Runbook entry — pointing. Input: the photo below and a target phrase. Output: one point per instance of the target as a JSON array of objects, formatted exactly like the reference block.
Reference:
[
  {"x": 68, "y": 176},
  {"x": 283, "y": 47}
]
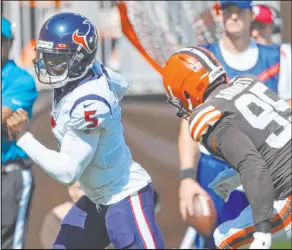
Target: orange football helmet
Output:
[{"x": 187, "y": 75}]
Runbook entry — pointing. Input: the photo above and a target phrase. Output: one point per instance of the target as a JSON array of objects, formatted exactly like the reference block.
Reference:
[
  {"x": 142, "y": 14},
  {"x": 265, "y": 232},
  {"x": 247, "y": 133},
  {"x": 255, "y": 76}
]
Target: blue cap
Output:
[
  {"x": 6, "y": 29},
  {"x": 240, "y": 4}
]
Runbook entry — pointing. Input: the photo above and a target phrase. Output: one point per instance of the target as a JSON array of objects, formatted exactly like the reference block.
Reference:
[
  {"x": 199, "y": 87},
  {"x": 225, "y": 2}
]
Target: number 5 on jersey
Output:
[{"x": 89, "y": 118}]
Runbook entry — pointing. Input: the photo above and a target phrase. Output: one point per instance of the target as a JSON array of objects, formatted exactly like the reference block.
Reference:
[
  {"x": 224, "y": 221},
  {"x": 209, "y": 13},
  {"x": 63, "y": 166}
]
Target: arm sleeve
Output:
[
  {"x": 231, "y": 144},
  {"x": 284, "y": 84},
  {"x": 22, "y": 96},
  {"x": 66, "y": 166}
]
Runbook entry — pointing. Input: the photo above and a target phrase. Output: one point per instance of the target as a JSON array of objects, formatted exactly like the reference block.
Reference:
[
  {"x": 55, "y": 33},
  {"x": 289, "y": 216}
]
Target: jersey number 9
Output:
[{"x": 266, "y": 108}]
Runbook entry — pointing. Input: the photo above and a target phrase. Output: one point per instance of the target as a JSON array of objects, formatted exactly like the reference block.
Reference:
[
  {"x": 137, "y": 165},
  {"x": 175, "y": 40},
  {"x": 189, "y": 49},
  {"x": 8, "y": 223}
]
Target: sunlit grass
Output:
[{"x": 282, "y": 245}]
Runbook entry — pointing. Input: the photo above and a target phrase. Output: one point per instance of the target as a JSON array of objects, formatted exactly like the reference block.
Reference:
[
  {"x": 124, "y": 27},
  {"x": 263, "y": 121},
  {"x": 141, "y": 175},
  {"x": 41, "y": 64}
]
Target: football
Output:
[{"x": 204, "y": 219}]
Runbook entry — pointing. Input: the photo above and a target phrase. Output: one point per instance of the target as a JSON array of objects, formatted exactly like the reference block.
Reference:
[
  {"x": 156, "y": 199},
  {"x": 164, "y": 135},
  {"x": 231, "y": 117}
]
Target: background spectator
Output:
[
  {"x": 263, "y": 25},
  {"x": 262, "y": 30},
  {"x": 18, "y": 91}
]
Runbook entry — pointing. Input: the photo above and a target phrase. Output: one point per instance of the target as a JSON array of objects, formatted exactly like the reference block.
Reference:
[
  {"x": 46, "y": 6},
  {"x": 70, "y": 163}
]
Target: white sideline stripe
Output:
[
  {"x": 141, "y": 222},
  {"x": 19, "y": 228}
]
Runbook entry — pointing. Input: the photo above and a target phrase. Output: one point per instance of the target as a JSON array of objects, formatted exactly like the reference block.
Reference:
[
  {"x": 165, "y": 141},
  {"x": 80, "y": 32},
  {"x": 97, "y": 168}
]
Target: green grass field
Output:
[{"x": 282, "y": 245}]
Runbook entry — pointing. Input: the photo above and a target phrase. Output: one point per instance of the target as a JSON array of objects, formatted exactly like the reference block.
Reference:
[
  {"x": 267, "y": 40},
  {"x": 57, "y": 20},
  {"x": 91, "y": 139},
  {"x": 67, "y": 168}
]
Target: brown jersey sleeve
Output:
[
  {"x": 235, "y": 147},
  {"x": 204, "y": 118}
]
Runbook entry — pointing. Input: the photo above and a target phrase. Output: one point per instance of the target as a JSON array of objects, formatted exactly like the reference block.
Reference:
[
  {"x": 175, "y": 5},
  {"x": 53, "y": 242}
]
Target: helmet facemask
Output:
[
  {"x": 52, "y": 68},
  {"x": 182, "y": 112},
  {"x": 56, "y": 67}
]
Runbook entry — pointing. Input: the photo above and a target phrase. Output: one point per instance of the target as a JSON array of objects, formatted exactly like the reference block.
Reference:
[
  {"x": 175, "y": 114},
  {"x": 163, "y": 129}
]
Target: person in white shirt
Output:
[{"x": 262, "y": 29}]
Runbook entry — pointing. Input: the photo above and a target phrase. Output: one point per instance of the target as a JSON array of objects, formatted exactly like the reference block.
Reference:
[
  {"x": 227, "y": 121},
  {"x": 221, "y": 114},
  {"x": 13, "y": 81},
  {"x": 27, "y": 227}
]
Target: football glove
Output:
[
  {"x": 225, "y": 183},
  {"x": 261, "y": 241}
]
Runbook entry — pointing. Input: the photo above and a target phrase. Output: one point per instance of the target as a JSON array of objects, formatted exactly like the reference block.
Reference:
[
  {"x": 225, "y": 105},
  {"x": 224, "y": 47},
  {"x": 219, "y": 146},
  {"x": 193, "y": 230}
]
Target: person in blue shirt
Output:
[{"x": 18, "y": 91}]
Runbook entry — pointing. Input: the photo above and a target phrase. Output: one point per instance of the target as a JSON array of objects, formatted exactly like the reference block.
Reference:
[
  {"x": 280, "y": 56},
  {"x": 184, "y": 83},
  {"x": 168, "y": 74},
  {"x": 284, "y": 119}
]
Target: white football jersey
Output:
[{"x": 93, "y": 108}]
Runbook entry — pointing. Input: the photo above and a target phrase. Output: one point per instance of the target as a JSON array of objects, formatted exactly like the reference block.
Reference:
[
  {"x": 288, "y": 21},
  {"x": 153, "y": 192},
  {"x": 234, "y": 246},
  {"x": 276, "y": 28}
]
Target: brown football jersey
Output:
[{"x": 249, "y": 126}]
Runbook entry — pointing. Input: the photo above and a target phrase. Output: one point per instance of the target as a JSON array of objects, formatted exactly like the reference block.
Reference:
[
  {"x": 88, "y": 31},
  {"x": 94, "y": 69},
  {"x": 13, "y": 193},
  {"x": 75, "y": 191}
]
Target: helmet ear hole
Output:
[{"x": 187, "y": 95}]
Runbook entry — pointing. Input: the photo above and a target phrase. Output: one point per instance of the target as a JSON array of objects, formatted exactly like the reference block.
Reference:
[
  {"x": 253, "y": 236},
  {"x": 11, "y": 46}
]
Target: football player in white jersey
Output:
[{"x": 86, "y": 121}]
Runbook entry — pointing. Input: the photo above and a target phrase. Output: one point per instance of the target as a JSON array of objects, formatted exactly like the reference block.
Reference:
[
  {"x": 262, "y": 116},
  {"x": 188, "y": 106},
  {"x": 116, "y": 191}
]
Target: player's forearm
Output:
[
  {"x": 60, "y": 166},
  {"x": 254, "y": 173},
  {"x": 188, "y": 149},
  {"x": 258, "y": 185}
]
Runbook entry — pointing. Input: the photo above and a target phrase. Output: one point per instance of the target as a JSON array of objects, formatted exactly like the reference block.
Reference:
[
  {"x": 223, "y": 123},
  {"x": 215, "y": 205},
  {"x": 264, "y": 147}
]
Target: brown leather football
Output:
[{"x": 204, "y": 219}]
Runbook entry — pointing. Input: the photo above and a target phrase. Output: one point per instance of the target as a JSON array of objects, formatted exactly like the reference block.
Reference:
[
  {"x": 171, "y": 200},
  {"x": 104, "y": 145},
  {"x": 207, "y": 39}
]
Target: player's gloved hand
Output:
[
  {"x": 188, "y": 189},
  {"x": 261, "y": 241},
  {"x": 225, "y": 183},
  {"x": 17, "y": 124}
]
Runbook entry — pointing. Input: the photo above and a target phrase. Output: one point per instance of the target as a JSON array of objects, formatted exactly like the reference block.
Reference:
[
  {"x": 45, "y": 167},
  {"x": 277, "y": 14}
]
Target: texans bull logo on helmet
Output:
[{"x": 82, "y": 39}]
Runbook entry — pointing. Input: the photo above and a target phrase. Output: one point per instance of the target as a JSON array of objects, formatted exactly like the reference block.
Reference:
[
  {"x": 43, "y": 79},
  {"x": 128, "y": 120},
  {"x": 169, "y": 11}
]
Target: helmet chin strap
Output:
[{"x": 187, "y": 96}]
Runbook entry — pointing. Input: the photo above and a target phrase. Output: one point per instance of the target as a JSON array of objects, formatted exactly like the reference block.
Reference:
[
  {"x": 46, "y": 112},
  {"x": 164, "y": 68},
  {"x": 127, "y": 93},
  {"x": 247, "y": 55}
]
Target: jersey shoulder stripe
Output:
[{"x": 201, "y": 121}]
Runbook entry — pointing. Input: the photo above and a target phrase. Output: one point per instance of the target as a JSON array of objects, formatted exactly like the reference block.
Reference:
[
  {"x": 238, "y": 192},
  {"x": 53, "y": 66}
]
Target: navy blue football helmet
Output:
[{"x": 66, "y": 49}]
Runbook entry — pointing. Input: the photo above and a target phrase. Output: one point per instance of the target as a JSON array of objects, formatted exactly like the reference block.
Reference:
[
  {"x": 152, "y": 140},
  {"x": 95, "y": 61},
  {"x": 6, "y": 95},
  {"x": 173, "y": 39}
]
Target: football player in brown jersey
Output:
[{"x": 247, "y": 125}]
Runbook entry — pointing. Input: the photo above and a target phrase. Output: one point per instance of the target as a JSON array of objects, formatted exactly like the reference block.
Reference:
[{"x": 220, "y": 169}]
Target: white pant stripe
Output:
[{"x": 141, "y": 221}]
